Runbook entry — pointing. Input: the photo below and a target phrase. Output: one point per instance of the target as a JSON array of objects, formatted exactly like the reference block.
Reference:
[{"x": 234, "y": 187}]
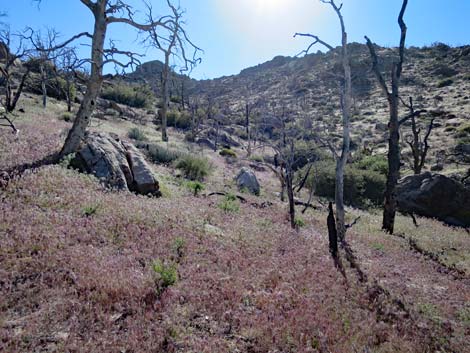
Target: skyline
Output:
[{"x": 238, "y": 35}]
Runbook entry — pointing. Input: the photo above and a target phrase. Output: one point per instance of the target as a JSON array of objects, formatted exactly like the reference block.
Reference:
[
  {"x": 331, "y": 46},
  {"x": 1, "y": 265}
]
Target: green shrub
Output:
[
  {"x": 90, "y": 210},
  {"x": 195, "y": 187},
  {"x": 445, "y": 83},
  {"x": 171, "y": 117},
  {"x": 227, "y": 152},
  {"x": 137, "y": 134},
  {"x": 376, "y": 163},
  {"x": 464, "y": 130},
  {"x": 230, "y": 204},
  {"x": 361, "y": 187},
  {"x": 133, "y": 96},
  {"x": 165, "y": 275},
  {"x": 67, "y": 116},
  {"x": 174, "y": 99},
  {"x": 257, "y": 158},
  {"x": 183, "y": 121},
  {"x": 299, "y": 222},
  {"x": 194, "y": 168},
  {"x": 179, "y": 244},
  {"x": 163, "y": 155}
]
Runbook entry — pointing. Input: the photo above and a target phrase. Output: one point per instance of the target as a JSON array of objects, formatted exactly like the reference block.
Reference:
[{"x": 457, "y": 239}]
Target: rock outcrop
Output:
[
  {"x": 246, "y": 179},
  {"x": 435, "y": 196},
  {"x": 117, "y": 163}
]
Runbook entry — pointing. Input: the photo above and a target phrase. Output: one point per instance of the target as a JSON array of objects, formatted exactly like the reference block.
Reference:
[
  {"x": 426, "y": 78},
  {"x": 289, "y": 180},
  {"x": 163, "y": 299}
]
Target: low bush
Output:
[
  {"x": 67, "y": 116},
  {"x": 464, "y": 130},
  {"x": 180, "y": 120},
  {"x": 195, "y": 187},
  {"x": 361, "y": 187},
  {"x": 179, "y": 245},
  {"x": 299, "y": 222},
  {"x": 445, "y": 83},
  {"x": 165, "y": 275},
  {"x": 193, "y": 167},
  {"x": 227, "y": 152},
  {"x": 163, "y": 155},
  {"x": 133, "y": 96},
  {"x": 137, "y": 134},
  {"x": 230, "y": 204},
  {"x": 257, "y": 158},
  {"x": 376, "y": 163}
]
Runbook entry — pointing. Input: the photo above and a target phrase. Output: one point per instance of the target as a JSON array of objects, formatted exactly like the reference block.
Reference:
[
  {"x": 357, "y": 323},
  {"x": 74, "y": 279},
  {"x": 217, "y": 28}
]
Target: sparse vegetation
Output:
[{"x": 87, "y": 266}]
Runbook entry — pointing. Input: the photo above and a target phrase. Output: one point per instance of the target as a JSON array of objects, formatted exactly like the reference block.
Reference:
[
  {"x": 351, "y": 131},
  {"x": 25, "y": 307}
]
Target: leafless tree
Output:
[
  {"x": 105, "y": 13},
  {"x": 393, "y": 98},
  {"x": 346, "y": 103},
  {"x": 419, "y": 146},
  {"x": 250, "y": 110},
  {"x": 46, "y": 54},
  {"x": 10, "y": 60},
  {"x": 69, "y": 64},
  {"x": 172, "y": 43}
]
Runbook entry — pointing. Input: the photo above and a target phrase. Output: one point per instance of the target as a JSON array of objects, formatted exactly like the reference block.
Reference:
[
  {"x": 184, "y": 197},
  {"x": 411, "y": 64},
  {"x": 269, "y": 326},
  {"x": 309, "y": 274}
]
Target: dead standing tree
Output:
[
  {"x": 419, "y": 146},
  {"x": 346, "y": 103},
  {"x": 69, "y": 63},
  {"x": 172, "y": 43},
  {"x": 105, "y": 13},
  {"x": 7, "y": 75},
  {"x": 46, "y": 54},
  {"x": 393, "y": 98}
]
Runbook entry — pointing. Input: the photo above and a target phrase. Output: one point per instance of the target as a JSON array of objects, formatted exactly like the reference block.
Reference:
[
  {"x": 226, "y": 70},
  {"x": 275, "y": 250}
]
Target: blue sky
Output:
[{"x": 236, "y": 34}]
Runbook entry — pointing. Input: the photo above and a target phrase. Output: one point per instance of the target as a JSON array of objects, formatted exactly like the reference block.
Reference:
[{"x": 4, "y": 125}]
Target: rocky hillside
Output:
[{"x": 436, "y": 77}]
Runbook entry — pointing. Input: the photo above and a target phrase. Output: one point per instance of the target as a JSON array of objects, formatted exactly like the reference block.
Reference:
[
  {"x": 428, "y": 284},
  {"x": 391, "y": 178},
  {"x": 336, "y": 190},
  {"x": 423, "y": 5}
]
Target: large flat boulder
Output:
[
  {"x": 435, "y": 196},
  {"x": 116, "y": 163}
]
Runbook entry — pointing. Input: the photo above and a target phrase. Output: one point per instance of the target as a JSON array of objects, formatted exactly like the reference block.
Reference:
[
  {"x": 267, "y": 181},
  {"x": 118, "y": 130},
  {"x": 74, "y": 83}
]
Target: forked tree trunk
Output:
[
  {"x": 82, "y": 120},
  {"x": 390, "y": 203}
]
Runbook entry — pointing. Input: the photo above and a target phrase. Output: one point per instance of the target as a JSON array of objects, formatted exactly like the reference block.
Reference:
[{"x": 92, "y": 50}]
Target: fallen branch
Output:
[{"x": 219, "y": 193}]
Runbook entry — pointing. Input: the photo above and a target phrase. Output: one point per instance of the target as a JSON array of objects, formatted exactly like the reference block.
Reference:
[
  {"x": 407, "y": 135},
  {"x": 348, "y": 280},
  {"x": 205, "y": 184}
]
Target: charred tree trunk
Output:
[
  {"x": 390, "y": 203},
  {"x": 43, "y": 74},
  {"x": 346, "y": 103},
  {"x": 248, "y": 130},
  {"x": 332, "y": 233},
  {"x": 165, "y": 97},
  {"x": 82, "y": 120}
]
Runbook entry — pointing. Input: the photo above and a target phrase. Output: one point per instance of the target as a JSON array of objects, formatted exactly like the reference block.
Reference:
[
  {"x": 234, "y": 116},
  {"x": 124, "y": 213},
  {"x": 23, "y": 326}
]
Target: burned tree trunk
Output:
[
  {"x": 332, "y": 233},
  {"x": 390, "y": 203},
  {"x": 165, "y": 96}
]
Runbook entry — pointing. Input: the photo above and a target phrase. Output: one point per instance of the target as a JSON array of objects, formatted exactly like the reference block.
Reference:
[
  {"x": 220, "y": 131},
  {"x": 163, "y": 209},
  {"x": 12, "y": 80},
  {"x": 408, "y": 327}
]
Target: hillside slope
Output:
[
  {"x": 81, "y": 266},
  {"x": 437, "y": 78}
]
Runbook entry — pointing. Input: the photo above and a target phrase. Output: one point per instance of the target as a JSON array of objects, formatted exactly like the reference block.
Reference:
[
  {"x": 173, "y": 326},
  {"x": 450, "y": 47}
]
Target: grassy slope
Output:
[{"x": 75, "y": 268}]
